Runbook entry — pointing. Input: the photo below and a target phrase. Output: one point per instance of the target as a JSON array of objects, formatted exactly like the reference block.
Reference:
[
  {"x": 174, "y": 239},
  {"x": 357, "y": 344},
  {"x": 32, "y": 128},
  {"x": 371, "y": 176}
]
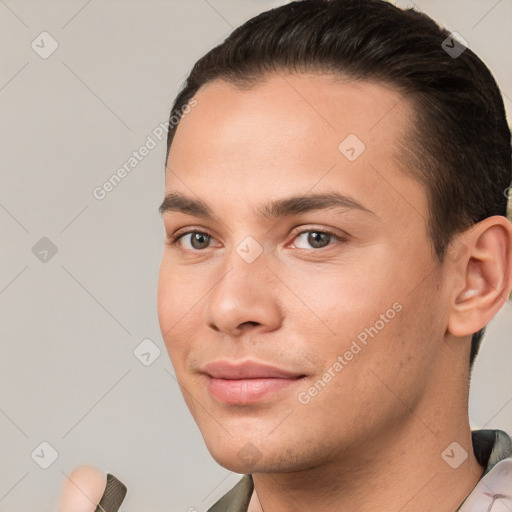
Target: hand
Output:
[{"x": 87, "y": 486}]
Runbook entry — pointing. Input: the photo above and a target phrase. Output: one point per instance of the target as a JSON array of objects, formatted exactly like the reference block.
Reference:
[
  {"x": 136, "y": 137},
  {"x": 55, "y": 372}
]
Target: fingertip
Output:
[{"x": 82, "y": 489}]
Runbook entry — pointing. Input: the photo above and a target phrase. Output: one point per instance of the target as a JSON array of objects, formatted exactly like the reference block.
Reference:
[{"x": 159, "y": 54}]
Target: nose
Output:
[{"x": 245, "y": 298}]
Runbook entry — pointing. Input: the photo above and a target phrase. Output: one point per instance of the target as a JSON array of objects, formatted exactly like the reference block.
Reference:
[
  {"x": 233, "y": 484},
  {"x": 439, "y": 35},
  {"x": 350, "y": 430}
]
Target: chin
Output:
[
  {"x": 243, "y": 456},
  {"x": 237, "y": 455}
]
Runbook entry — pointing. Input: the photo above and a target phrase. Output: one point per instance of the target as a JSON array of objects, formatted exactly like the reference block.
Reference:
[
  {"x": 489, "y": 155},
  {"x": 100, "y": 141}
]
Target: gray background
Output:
[{"x": 69, "y": 326}]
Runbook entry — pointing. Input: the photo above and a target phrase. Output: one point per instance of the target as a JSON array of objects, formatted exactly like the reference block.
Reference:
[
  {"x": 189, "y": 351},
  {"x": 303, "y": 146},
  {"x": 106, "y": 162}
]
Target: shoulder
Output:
[{"x": 237, "y": 499}]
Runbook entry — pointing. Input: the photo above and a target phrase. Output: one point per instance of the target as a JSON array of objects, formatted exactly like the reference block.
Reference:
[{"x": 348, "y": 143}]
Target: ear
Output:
[{"x": 482, "y": 260}]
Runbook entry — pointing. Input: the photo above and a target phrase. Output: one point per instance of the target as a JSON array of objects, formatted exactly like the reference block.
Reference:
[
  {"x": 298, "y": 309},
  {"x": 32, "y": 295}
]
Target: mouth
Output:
[{"x": 247, "y": 382}]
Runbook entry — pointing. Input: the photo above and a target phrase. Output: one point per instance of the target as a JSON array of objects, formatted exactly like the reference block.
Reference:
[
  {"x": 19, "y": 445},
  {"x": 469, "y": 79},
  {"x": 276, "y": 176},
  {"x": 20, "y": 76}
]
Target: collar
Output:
[{"x": 493, "y": 491}]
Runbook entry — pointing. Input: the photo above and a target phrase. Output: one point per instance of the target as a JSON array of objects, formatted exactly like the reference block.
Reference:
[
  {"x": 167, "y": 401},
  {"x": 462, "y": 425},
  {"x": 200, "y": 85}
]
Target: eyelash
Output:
[{"x": 174, "y": 240}]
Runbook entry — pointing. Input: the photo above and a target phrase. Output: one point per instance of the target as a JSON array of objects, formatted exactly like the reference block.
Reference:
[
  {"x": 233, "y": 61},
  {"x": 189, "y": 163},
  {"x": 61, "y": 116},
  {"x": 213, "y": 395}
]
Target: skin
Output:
[
  {"x": 82, "y": 489},
  {"x": 372, "y": 439}
]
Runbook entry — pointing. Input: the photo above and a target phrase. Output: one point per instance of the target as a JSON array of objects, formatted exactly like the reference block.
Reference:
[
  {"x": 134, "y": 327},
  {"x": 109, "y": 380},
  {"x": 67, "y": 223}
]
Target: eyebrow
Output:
[{"x": 295, "y": 205}]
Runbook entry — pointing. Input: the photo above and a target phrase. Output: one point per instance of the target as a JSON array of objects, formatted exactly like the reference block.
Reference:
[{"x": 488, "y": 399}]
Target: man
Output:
[{"x": 336, "y": 242}]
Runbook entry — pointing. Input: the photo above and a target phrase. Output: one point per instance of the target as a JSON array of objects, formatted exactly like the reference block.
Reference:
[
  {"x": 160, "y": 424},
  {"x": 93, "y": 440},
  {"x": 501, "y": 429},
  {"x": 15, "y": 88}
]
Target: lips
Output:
[
  {"x": 247, "y": 370},
  {"x": 247, "y": 382}
]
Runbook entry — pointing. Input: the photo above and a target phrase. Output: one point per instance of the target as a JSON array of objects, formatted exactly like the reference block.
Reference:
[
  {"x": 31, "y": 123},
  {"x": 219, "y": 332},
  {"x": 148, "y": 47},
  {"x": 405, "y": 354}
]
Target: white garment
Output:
[{"x": 493, "y": 492}]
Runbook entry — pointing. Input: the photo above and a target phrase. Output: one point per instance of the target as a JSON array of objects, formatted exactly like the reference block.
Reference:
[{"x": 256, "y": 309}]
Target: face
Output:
[{"x": 297, "y": 283}]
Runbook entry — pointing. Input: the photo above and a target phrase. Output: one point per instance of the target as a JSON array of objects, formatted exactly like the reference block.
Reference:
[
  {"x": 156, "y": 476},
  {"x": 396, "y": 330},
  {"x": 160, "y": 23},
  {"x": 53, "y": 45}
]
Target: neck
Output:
[{"x": 403, "y": 469}]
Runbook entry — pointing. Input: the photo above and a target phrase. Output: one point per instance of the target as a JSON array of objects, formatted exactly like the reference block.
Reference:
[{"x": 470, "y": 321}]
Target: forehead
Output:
[
  {"x": 308, "y": 105},
  {"x": 290, "y": 133}
]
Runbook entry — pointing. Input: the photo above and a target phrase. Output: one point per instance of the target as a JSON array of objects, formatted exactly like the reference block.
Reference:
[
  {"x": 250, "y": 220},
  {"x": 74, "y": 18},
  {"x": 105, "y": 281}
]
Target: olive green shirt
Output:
[{"x": 493, "y": 491}]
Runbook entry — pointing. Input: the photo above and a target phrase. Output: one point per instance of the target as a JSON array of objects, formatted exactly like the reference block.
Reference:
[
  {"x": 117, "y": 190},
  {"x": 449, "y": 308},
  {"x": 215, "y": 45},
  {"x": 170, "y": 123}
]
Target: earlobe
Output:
[{"x": 487, "y": 276}]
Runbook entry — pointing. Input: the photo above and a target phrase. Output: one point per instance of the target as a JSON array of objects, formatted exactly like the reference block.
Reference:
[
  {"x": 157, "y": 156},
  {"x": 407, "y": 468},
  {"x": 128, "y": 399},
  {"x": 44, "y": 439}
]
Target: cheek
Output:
[
  {"x": 342, "y": 298},
  {"x": 165, "y": 299},
  {"x": 401, "y": 357},
  {"x": 179, "y": 291},
  {"x": 175, "y": 305},
  {"x": 364, "y": 311}
]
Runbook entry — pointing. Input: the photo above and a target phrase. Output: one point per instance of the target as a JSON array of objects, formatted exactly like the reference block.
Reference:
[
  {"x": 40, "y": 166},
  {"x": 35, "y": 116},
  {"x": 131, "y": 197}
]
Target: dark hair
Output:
[{"x": 459, "y": 145}]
